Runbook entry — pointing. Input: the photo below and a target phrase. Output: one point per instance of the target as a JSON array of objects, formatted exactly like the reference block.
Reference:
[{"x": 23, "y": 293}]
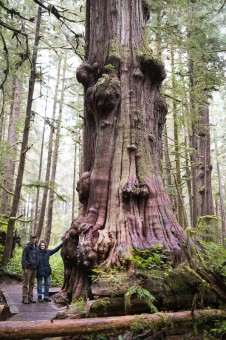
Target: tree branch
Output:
[
  {"x": 13, "y": 12},
  {"x": 8, "y": 192},
  {"x": 53, "y": 10},
  {"x": 6, "y": 71}
]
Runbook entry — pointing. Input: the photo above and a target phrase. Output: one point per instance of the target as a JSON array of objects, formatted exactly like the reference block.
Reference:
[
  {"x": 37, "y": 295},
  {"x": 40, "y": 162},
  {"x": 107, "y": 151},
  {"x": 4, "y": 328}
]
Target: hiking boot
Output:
[
  {"x": 32, "y": 300},
  {"x": 26, "y": 301},
  {"x": 40, "y": 299},
  {"x": 47, "y": 300}
]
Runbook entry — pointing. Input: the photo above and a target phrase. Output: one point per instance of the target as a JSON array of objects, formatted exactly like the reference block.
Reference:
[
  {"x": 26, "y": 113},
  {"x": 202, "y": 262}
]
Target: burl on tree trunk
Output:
[{"x": 125, "y": 205}]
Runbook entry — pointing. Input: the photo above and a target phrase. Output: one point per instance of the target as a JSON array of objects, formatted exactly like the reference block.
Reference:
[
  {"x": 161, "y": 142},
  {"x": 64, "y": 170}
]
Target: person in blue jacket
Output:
[
  {"x": 44, "y": 269},
  {"x": 29, "y": 265}
]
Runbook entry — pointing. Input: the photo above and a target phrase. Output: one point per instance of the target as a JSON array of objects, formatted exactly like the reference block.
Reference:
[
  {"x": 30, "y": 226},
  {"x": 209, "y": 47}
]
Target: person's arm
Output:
[
  {"x": 55, "y": 250},
  {"x": 24, "y": 259}
]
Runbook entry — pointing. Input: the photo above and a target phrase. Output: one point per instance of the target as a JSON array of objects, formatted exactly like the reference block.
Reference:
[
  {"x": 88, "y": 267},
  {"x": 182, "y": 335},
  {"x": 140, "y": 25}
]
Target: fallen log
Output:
[
  {"x": 115, "y": 306},
  {"x": 34, "y": 329}
]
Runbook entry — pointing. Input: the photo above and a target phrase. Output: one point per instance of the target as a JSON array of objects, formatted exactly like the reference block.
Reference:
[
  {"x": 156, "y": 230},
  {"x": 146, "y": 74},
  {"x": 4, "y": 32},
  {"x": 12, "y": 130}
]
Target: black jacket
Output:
[
  {"x": 30, "y": 256},
  {"x": 44, "y": 268}
]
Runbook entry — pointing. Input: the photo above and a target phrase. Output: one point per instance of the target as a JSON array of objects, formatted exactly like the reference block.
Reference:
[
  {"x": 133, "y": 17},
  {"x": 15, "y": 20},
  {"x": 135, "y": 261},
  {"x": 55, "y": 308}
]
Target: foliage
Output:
[
  {"x": 219, "y": 330},
  {"x": 1, "y": 251},
  {"x": 141, "y": 293},
  {"x": 14, "y": 266},
  {"x": 109, "y": 67},
  {"x": 57, "y": 266},
  {"x": 78, "y": 304},
  {"x": 214, "y": 257},
  {"x": 156, "y": 258},
  {"x": 208, "y": 229},
  {"x": 113, "y": 275}
]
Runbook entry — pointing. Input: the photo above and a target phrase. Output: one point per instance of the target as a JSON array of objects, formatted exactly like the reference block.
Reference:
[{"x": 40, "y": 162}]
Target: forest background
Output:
[{"x": 42, "y": 47}]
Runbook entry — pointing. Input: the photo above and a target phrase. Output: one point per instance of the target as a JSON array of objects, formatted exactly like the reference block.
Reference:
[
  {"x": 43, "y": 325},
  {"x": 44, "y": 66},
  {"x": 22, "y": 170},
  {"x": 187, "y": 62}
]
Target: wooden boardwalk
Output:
[{"x": 23, "y": 312}]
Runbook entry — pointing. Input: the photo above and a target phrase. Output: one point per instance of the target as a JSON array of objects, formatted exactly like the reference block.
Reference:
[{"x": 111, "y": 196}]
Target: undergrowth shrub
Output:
[
  {"x": 14, "y": 267},
  {"x": 156, "y": 258},
  {"x": 57, "y": 266},
  {"x": 214, "y": 257}
]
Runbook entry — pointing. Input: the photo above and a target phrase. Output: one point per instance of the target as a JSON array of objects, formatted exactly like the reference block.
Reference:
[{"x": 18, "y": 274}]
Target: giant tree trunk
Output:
[{"x": 124, "y": 201}]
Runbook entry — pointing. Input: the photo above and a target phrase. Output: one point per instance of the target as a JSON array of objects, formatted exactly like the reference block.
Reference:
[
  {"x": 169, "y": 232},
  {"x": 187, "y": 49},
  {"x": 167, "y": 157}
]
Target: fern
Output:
[{"x": 141, "y": 293}]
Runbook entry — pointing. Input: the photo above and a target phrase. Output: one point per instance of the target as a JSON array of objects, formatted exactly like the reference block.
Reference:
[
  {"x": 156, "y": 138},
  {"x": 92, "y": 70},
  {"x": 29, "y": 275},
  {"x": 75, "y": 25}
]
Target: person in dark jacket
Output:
[
  {"x": 44, "y": 269},
  {"x": 29, "y": 265}
]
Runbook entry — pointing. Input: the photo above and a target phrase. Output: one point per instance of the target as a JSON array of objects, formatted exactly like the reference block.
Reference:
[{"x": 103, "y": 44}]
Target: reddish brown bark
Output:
[{"x": 121, "y": 188}]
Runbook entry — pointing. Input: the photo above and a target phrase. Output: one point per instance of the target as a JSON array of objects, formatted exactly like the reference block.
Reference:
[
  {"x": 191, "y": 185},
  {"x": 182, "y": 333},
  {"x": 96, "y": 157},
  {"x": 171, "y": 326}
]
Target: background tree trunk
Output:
[
  {"x": 11, "y": 154},
  {"x": 49, "y": 157},
  {"x": 168, "y": 171},
  {"x": 55, "y": 160},
  {"x": 221, "y": 194},
  {"x": 121, "y": 188},
  {"x": 40, "y": 164},
  {"x": 204, "y": 165},
  {"x": 24, "y": 146},
  {"x": 178, "y": 180},
  {"x": 74, "y": 181}
]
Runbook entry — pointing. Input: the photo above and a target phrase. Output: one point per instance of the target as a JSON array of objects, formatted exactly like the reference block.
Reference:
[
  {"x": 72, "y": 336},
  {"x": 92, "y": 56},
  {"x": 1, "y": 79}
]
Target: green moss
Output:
[
  {"x": 144, "y": 53},
  {"x": 107, "y": 93},
  {"x": 102, "y": 304},
  {"x": 140, "y": 323},
  {"x": 102, "y": 84},
  {"x": 115, "y": 52},
  {"x": 109, "y": 68},
  {"x": 181, "y": 280},
  {"x": 166, "y": 319}
]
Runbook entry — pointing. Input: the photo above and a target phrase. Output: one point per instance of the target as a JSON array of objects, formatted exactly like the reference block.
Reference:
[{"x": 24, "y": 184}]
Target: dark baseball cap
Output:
[{"x": 33, "y": 236}]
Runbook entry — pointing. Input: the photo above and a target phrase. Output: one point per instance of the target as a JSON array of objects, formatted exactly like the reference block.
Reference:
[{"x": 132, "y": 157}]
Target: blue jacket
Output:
[
  {"x": 30, "y": 256},
  {"x": 44, "y": 268}
]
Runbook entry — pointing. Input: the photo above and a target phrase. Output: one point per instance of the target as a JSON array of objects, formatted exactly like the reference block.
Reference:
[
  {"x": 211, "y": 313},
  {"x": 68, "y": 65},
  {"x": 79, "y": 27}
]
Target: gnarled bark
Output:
[{"x": 125, "y": 205}]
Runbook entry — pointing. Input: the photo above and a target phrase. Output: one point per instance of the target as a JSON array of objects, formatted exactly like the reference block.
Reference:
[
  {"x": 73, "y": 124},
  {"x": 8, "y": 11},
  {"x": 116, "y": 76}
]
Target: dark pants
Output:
[{"x": 28, "y": 283}]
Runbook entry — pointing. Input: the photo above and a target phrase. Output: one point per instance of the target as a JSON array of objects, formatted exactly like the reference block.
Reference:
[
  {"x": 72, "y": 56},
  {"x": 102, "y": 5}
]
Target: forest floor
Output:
[{"x": 11, "y": 291}]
